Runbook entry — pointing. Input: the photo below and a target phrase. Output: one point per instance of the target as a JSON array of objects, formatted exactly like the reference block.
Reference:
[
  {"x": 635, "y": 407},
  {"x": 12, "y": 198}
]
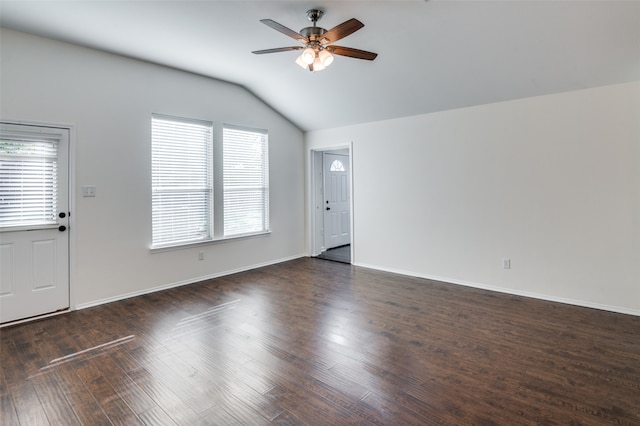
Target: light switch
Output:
[{"x": 89, "y": 191}]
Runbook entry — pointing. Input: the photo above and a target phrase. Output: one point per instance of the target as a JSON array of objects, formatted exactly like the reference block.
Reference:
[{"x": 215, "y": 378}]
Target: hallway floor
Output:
[{"x": 337, "y": 254}]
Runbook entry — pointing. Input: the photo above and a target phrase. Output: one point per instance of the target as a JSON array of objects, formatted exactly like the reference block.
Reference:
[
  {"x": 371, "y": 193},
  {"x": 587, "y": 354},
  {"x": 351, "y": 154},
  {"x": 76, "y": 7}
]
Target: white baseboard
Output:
[
  {"x": 549, "y": 298},
  {"x": 185, "y": 282}
]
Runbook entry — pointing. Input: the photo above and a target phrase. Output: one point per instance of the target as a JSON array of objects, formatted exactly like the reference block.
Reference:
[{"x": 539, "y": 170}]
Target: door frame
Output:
[
  {"x": 72, "y": 209},
  {"x": 316, "y": 207}
]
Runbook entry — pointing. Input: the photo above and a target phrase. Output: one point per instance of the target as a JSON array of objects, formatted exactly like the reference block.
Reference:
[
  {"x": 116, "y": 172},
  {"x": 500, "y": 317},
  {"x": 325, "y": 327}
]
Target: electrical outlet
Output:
[
  {"x": 506, "y": 263},
  {"x": 201, "y": 255}
]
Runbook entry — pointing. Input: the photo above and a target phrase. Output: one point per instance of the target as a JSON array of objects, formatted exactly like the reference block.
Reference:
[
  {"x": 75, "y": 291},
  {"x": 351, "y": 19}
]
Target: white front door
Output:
[
  {"x": 34, "y": 217},
  {"x": 336, "y": 196}
]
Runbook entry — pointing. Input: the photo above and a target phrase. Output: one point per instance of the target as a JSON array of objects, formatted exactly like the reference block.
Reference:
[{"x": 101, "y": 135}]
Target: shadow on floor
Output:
[{"x": 337, "y": 254}]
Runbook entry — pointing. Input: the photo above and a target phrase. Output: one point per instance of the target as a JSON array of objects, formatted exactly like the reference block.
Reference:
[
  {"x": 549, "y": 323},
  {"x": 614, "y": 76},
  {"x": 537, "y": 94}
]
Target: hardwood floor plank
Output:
[
  {"x": 294, "y": 385},
  {"x": 220, "y": 416},
  {"x": 231, "y": 366},
  {"x": 310, "y": 407},
  {"x": 172, "y": 403},
  {"x": 156, "y": 417},
  {"x": 287, "y": 419},
  {"x": 126, "y": 388},
  {"x": 83, "y": 403},
  {"x": 110, "y": 402},
  {"x": 245, "y": 396},
  {"x": 27, "y": 405},
  {"x": 87, "y": 409},
  {"x": 8, "y": 415},
  {"x": 4, "y": 363},
  {"x": 193, "y": 389},
  {"x": 390, "y": 412},
  {"x": 316, "y": 342},
  {"x": 224, "y": 388},
  {"x": 53, "y": 401}
]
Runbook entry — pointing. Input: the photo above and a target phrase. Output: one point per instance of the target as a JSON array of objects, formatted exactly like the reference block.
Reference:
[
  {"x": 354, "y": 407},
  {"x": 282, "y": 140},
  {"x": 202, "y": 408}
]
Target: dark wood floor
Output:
[{"x": 317, "y": 342}]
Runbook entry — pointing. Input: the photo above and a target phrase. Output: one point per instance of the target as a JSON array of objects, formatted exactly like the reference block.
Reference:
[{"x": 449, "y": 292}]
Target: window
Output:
[
  {"x": 336, "y": 166},
  {"x": 182, "y": 190},
  {"x": 246, "y": 181},
  {"x": 190, "y": 186},
  {"x": 28, "y": 180}
]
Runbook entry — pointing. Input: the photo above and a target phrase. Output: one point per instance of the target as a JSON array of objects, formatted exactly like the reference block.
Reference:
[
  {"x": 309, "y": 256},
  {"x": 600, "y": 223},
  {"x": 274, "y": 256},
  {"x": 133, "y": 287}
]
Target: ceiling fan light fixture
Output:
[
  {"x": 308, "y": 55},
  {"x": 317, "y": 50},
  {"x": 325, "y": 57}
]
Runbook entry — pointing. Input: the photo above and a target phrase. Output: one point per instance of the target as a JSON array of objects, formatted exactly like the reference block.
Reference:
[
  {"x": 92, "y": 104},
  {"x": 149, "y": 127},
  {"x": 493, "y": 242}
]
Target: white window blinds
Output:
[
  {"x": 246, "y": 181},
  {"x": 28, "y": 180},
  {"x": 181, "y": 181}
]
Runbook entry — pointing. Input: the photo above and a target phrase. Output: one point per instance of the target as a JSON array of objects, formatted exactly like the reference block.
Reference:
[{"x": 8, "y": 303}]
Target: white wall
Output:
[
  {"x": 551, "y": 182},
  {"x": 110, "y": 100}
]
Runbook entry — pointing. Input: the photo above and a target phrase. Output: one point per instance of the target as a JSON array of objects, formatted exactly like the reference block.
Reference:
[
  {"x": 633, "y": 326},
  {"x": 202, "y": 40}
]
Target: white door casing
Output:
[
  {"x": 34, "y": 251},
  {"x": 337, "y": 221}
]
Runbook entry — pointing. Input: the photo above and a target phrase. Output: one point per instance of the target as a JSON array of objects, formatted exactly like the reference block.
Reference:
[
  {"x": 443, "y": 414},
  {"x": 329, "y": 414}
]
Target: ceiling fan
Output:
[{"x": 317, "y": 52}]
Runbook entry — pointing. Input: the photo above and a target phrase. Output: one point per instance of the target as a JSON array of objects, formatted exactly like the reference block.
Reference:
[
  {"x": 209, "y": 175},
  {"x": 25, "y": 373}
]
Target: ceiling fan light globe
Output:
[
  {"x": 325, "y": 57},
  {"x": 308, "y": 56},
  {"x": 300, "y": 62},
  {"x": 318, "y": 65}
]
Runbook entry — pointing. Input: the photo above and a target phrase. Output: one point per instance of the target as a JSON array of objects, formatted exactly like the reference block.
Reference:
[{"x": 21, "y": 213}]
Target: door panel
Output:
[
  {"x": 345, "y": 223},
  {"x": 337, "y": 206},
  {"x": 43, "y": 264},
  {"x": 7, "y": 274},
  {"x": 34, "y": 239},
  {"x": 36, "y": 281}
]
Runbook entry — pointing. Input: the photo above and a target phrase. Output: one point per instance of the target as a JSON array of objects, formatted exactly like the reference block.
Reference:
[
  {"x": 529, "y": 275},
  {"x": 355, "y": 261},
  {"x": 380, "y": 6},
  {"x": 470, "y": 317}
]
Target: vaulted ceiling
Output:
[{"x": 433, "y": 55}]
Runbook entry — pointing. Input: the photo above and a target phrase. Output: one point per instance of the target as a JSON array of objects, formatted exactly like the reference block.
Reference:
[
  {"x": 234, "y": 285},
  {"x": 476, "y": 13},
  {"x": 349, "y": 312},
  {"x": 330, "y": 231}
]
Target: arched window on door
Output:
[{"x": 336, "y": 166}]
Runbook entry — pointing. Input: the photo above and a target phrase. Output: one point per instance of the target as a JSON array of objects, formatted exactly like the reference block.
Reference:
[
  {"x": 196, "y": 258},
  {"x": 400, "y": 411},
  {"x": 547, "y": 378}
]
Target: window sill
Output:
[{"x": 161, "y": 249}]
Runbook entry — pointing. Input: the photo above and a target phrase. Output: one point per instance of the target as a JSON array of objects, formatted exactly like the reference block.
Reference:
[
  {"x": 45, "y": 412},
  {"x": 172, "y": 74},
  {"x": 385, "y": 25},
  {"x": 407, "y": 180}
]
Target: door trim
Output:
[
  {"x": 316, "y": 213},
  {"x": 72, "y": 209}
]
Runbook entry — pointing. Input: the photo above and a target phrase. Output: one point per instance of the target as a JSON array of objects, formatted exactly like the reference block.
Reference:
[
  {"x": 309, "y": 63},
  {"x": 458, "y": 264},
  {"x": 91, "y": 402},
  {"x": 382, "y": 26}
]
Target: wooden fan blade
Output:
[
  {"x": 342, "y": 30},
  {"x": 277, "y": 49},
  {"x": 352, "y": 53},
  {"x": 284, "y": 30}
]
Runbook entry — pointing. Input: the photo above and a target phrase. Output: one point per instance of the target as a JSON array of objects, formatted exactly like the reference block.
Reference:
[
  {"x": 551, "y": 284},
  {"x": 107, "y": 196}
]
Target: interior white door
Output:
[
  {"x": 34, "y": 217},
  {"x": 336, "y": 195}
]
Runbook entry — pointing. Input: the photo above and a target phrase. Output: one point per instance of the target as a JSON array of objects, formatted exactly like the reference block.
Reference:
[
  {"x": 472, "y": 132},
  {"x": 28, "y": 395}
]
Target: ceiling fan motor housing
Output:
[{"x": 313, "y": 33}]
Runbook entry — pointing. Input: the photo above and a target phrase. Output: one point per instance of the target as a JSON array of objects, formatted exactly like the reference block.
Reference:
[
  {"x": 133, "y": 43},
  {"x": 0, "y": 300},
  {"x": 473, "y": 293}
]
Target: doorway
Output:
[
  {"x": 332, "y": 218},
  {"x": 34, "y": 220}
]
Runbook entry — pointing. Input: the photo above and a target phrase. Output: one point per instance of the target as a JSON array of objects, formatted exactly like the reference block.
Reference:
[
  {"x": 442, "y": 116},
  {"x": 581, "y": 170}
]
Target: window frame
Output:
[
  {"x": 30, "y": 178},
  {"x": 186, "y": 185},
  {"x": 216, "y": 216},
  {"x": 263, "y": 187}
]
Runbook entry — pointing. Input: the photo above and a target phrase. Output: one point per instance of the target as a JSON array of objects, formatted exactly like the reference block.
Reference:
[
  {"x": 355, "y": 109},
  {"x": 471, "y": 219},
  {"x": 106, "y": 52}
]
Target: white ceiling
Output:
[{"x": 433, "y": 56}]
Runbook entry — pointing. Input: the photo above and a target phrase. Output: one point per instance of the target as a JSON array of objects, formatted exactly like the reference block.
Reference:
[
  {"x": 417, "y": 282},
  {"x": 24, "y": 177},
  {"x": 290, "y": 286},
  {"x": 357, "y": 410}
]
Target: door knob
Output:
[
  {"x": 328, "y": 208},
  {"x": 62, "y": 228},
  {"x": 62, "y": 215}
]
